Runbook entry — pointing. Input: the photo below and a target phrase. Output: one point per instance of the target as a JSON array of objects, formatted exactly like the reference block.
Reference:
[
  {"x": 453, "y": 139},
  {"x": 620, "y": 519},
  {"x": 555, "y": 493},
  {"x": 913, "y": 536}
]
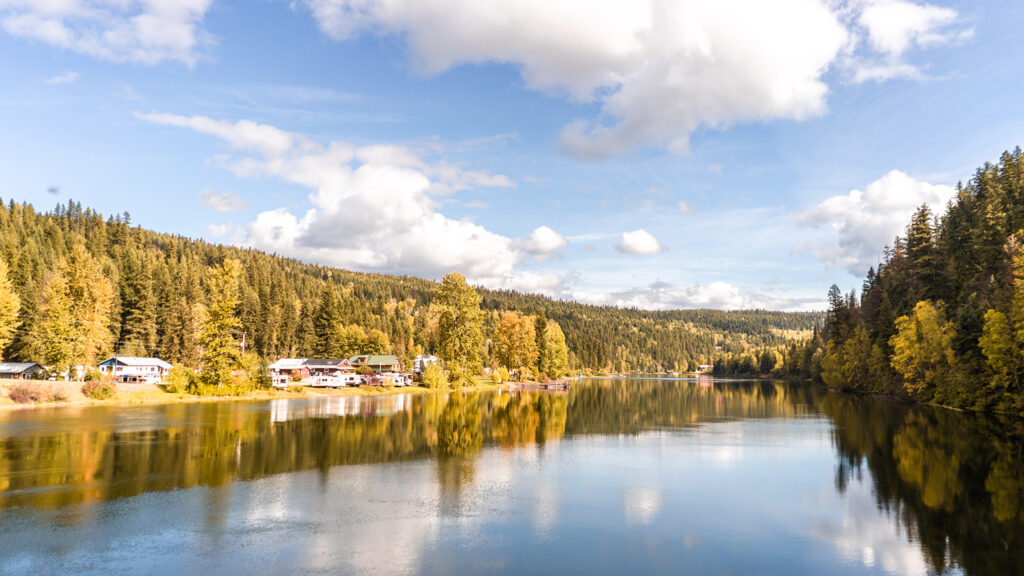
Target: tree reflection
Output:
[{"x": 954, "y": 481}]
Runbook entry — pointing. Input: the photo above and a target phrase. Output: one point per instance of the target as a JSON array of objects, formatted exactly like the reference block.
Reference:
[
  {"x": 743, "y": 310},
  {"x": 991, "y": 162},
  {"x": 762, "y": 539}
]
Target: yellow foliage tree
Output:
[{"x": 923, "y": 348}]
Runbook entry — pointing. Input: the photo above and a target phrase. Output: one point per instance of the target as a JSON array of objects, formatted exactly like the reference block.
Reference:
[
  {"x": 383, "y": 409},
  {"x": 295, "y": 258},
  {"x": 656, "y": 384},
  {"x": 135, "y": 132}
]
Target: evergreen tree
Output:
[{"x": 217, "y": 337}]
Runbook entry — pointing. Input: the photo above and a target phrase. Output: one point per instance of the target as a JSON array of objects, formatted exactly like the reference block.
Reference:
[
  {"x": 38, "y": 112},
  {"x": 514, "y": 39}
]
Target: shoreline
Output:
[{"x": 157, "y": 396}]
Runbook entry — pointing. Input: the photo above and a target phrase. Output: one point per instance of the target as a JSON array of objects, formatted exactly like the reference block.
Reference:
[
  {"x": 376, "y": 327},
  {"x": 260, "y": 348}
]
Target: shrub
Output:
[
  {"x": 94, "y": 376},
  {"x": 24, "y": 393},
  {"x": 434, "y": 377},
  {"x": 182, "y": 379},
  {"x": 99, "y": 390},
  {"x": 57, "y": 396},
  {"x": 295, "y": 388}
]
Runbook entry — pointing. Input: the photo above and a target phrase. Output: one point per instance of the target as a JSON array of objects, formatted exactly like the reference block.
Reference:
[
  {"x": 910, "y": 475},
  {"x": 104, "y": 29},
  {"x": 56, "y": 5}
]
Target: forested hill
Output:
[
  {"x": 942, "y": 318},
  {"x": 159, "y": 280}
]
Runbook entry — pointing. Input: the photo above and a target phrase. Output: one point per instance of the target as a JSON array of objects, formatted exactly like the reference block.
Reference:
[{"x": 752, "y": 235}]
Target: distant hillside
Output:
[{"x": 160, "y": 279}]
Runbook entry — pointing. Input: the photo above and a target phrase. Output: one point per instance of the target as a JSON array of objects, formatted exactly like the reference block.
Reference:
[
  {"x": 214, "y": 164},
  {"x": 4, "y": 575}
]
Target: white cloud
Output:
[
  {"x": 219, "y": 230},
  {"x": 865, "y": 222},
  {"x": 659, "y": 69},
  {"x": 639, "y": 243},
  {"x": 685, "y": 208},
  {"x": 370, "y": 205},
  {"x": 893, "y": 27},
  {"x": 65, "y": 78},
  {"x": 226, "y": 202},
  {"x": 144, "y": 31},
  {"x": 716, "y": 295},
  {"x": 544, "y": 241}
]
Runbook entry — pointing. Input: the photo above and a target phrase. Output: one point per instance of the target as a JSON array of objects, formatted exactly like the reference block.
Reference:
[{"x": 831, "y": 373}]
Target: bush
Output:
[
  {"x": 182, "y": 379},
  {"x": 57, "y": 396},
  {"x": 434, "y": 377},
  {"x": 25, "y": 393},
  {"x": 99, "y": 390},
  {"x": 94, "y": 376},
  {"x": 295, "y": 389}
]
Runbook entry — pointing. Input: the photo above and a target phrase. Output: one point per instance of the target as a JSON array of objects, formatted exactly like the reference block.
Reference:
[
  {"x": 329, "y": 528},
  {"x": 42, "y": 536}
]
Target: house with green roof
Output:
[{"x": 377, "y": 362}]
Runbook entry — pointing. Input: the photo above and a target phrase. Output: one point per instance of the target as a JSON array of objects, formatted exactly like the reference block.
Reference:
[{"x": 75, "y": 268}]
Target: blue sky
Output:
[{"x": 698, "y": 153}]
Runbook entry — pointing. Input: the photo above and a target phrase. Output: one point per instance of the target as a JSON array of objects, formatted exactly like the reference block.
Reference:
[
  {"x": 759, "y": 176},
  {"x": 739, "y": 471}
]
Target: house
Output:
[
  {"x": 135, "y": 369},
  {"x": 288, "y": 369},
  {"x": 420, "y": 363},
  {"x": 21, "y": 370},
  {"x": 705, "y": 367},
  {"x": 377, "y": 362},
  {"x": 328, "y": 366}
]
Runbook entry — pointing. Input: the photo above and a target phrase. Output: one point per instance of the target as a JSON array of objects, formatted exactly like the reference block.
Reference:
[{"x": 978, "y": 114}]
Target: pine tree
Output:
[{"x": 217, "y": 337}]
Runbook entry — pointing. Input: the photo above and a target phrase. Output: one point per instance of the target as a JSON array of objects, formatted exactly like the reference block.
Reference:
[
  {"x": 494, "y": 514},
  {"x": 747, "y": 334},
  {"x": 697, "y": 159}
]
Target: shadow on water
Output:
[{"x": 953, "y": 481}]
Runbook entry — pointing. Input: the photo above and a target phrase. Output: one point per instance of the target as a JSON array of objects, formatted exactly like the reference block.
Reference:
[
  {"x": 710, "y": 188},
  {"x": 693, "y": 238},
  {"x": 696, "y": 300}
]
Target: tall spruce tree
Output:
[
  {"x": 218, "y": 335},
  {"x": 10, "y": 304}
]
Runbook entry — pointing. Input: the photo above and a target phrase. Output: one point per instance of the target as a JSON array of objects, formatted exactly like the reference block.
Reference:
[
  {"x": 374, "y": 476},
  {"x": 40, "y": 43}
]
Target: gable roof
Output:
[
  {"x": 17, "y": 367},
  {"x": 288, "y": 364},
  {"x": 326, "y": 362},
  {"x": 374, "y": 360},
  {"x": 136, "y": 361}
]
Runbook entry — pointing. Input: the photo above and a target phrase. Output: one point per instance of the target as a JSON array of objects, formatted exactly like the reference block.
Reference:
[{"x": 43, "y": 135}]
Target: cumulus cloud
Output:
[
  {"x": 867, "y": 221},
  {"x": 544, "y": 241},
  {"x": 716, "y": 295},
  {"x": 370, "y": 206},
  {"x": 65, "y": 78},
  {"x": 893, "y": 27},
  {"x": 660, "y": 69},
  {"x": 144, "y": 31},
  {"x": 226, "y": 202},
  {"x": 638, "y": 243}
]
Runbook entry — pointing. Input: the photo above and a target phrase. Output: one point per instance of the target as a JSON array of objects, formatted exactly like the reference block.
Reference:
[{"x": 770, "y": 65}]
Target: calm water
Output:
[{"x": 615, "y": 477}]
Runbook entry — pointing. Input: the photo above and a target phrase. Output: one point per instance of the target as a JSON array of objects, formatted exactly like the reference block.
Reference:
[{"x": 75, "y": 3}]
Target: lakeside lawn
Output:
[{"x": 136, "y": 394}]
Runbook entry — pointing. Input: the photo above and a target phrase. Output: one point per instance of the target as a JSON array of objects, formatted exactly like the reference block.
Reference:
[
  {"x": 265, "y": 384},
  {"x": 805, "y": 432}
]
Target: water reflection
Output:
[
  {"x": 672, "y": 471},
  {"x": 953, "y": 482}
]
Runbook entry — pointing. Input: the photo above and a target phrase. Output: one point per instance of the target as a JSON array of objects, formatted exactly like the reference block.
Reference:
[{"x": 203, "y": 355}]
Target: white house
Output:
[
  {"x": 133, "y": 368},
  {"x": 422, "y": 361}
]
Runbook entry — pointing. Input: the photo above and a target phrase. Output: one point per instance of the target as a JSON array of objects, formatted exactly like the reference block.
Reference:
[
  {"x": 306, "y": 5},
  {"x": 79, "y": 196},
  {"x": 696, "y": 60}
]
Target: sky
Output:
[{"x": 649, "y": 153}]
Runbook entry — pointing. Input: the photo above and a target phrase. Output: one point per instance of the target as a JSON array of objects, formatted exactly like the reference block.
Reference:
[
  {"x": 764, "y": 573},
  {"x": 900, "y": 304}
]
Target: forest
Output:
[
  {"x": 74, "y": 275},
  {"x": 941, "y": 319}
]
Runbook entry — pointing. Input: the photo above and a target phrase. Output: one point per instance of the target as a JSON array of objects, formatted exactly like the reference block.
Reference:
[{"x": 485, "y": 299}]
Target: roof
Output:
[
  {"x": 374, "y": 359},
  {"x": 325, "y": 362},
  {"x": 17, "y": 367},
  {"x": 288, "y": 364},
  {"x": 136, "y": 361}
]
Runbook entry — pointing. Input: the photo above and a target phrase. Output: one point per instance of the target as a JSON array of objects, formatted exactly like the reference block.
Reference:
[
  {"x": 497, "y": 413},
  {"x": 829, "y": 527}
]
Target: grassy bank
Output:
[{"x": 71, "y": 392}]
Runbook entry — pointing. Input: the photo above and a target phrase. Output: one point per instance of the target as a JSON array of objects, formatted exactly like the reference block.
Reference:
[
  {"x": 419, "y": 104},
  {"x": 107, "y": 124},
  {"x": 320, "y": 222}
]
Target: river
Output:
[{"x": 615, "y": 477}]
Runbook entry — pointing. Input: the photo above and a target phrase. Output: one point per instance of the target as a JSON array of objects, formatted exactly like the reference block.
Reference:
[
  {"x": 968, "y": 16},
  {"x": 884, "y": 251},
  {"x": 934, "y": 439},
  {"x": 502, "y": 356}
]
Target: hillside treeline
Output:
[
  {"x": 155, "y": 289},
  {"x": 942, "y": 317}
]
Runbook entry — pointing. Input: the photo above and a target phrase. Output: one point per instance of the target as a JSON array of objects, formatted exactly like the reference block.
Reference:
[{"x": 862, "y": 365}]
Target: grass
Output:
[{"x": 161, "y": 396}]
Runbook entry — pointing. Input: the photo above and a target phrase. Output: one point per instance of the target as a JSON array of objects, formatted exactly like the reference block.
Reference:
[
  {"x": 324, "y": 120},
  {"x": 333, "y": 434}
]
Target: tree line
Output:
[
  {"x": 76, "y": 286},
  {"x": 941, "y": 318}
]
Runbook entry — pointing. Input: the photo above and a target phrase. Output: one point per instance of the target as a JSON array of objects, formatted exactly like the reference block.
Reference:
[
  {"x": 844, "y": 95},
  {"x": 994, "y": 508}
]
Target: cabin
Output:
[
  {"x": 21, "y": 370},
  {"x": 135, "y": 369},
  {"x": 328, "y": 366},
  {"x": 379, "y": 363},
  {"x": 286, "y": 370},
  {"x": 705, "y": 368}
]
